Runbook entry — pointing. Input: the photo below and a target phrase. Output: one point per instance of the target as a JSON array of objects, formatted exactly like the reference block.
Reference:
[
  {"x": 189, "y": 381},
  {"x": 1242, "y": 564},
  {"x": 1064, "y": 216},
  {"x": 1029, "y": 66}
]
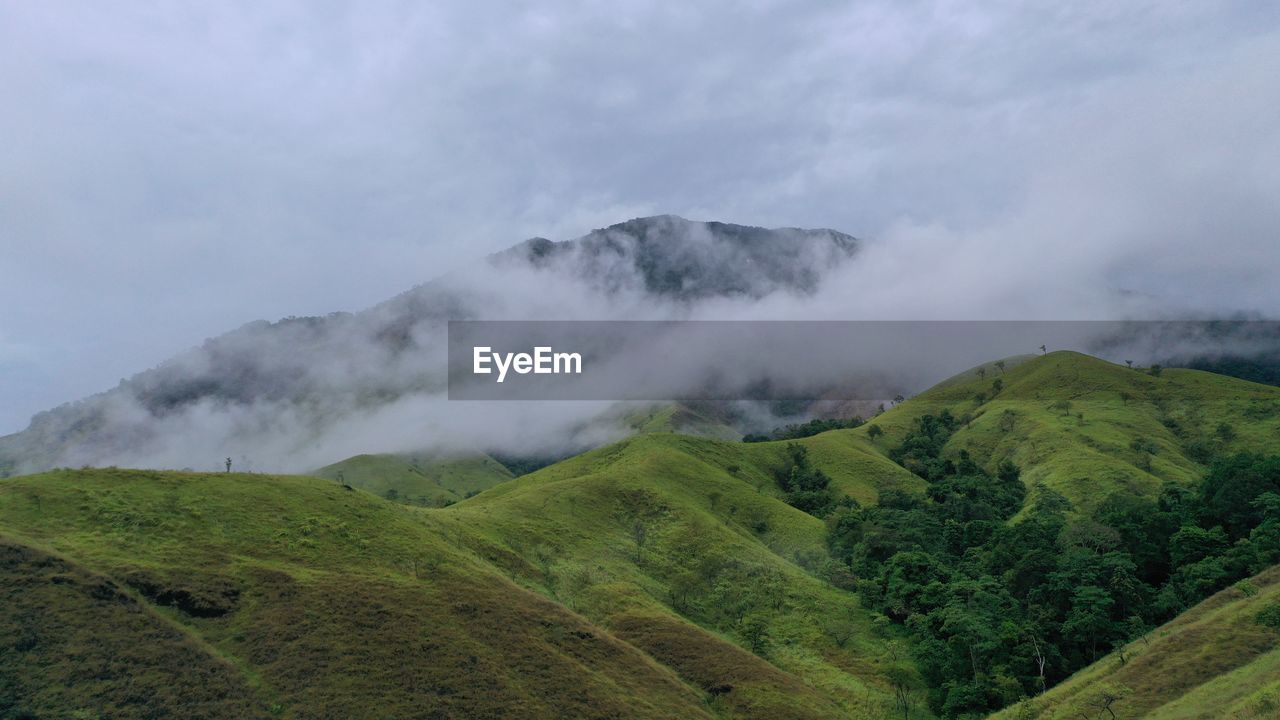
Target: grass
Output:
[
  {"x": 1213, "y": 661},
  {"x": 531, "y": 599},
  {"x": 679, "y": 418},
  {"x": 688, "y": 536},
  {"x": 1087, "y": 428},
  {"x": 343, "y": 605},
  {"x": 419, "y": 479},
  {"x": 662, "y": 576},
  {"x": 78, "y": 644}
]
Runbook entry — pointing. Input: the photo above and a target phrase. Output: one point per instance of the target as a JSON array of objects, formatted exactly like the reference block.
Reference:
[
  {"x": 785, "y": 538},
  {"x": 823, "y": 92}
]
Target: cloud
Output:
[{"x": 171, "y": 174}]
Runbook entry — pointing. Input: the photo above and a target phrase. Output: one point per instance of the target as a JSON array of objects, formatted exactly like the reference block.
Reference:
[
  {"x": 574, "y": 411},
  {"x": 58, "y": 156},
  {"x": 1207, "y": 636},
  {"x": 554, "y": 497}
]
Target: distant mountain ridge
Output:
[
  {"x": 279, "y": 390},
  {"x": 723, "y": 259}
]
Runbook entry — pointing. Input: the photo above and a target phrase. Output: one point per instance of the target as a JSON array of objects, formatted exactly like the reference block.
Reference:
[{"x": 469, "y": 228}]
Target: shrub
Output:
[
  {"x": 1226, "y": 432},
  {"x": 1246, "y": 588},
  {"x": 1269, "y": 616}
]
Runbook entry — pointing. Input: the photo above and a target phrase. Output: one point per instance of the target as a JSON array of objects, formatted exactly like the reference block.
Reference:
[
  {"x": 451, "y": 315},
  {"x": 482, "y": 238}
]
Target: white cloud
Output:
[{"x": 172, "y": 173}]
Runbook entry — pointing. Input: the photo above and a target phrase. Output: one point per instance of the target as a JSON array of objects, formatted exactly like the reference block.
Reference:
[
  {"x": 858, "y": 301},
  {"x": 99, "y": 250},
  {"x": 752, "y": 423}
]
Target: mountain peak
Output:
[{"x": 668, "y": 255}]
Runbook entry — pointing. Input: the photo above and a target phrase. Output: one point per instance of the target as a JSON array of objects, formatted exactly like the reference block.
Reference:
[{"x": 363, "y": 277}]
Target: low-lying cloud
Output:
[{"x": 1098, "y": 161}]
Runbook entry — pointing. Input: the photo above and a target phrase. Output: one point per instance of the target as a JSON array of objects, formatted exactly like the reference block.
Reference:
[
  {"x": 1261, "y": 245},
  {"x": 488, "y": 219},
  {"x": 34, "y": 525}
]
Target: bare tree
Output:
[
  {"x": 1040, "y": 661},
  {"x": 901, "y": 681},
  {"x": 1105, "y": 700}
]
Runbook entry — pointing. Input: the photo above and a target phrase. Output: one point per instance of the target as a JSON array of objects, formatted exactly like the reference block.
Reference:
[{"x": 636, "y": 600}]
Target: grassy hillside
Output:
[
  {"x": 680, "y": 418},
  {"x": 683, "y": 546},
  {"x": 1221, "y": 659},
  {"x": 436, "y": 480},
  {"x": 78, "y": 641},
  {"x": 1088, "y": 428},
  {"x": 299, "y": 596},
  {"x": 535, "y": 597},
  {"x": 1143, "y": 500},
  {"x": 662, "y": 576},
  {"x": 419, "y": 479}
]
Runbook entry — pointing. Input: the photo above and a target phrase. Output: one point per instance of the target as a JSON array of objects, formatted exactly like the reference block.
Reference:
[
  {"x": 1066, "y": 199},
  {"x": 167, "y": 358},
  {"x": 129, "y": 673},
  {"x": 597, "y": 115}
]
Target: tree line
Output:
[{"x": 999, "y": 609}]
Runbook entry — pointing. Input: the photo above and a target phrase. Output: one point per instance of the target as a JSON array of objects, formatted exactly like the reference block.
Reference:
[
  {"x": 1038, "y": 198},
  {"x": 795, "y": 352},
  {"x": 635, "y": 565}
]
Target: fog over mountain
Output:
[
  {"x": 305, "y": 391},
  {"x": 302, "y": 392},
  {"x": 171, "y": 174}
]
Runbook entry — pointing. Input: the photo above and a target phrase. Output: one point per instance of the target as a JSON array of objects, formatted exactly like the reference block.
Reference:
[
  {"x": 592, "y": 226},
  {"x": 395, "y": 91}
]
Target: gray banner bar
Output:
[{"x": 763, "y": 360}]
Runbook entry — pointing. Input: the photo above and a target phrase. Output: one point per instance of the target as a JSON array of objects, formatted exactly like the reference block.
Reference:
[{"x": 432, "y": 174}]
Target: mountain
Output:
[
  {"x": 304, "y": 392},
  {"x": 664, "y": 575},
  {"x": 670, "y": 257}
]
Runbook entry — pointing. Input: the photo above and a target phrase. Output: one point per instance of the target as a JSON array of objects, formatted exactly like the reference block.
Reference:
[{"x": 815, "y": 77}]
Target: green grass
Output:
[
  {"x": 74, "y": 643},
  {"x": 317, "y": 599},
  {"x": 719, "y": 551},
  {"x": 325, "y": 602},
  {"x": 419, "y": 479},
  {"x": 662, "y": 576},
  {"x": 1086, "y": 450},
  {"x": 1213, "y": 661},
  {"x": 678, "y": 418}
]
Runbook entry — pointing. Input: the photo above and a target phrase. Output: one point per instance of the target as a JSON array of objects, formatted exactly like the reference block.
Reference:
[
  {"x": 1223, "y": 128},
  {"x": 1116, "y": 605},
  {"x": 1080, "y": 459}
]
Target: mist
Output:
[
  {"x": 1098, "y": 162},
  {"x": 295, "y": 395}
]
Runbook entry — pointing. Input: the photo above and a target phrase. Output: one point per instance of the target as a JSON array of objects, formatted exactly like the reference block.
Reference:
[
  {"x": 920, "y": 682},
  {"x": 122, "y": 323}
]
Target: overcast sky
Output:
[{"x": 170, "y": 171}]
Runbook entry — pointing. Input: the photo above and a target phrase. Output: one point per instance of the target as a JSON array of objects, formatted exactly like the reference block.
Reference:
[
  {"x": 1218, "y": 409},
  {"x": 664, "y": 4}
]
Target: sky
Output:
[{"x": 172, "y": 171}]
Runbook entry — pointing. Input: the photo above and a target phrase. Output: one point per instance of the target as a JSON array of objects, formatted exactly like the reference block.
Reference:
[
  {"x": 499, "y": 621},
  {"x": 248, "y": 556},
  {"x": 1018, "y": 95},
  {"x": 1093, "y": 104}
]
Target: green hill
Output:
[
  {"x": 663, "y": 576},
  {"x": 438, "y": 479},
  {"x": 308, "y": 598},
  {"x": 667, "y": 534},
  {"x": 1221, "y": 659},
  {"x": 1070, "y": 504},
  {"x": 682, "y": 418},
  {"x": 1088, "y": 428},
  {"x": 252, "y": 595},
  {"x": 420, "y": 479}
]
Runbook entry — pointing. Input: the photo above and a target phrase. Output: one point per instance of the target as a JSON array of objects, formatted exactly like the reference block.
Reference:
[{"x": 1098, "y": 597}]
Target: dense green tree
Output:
[
  {"x": 997, "y": 608},
  {"x": 1229, "y": 490},
  {"x": 1191, "y": 544},
  {"x": 1089, "y": 621},
  {"x": 803, "y": 430},
  {"x": 806, "y": 488}
]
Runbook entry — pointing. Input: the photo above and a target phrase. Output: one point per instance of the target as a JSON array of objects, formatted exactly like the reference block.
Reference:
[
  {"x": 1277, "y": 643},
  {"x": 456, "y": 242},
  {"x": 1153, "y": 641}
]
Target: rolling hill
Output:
[
  {"x": 310, "y": 599},
  {"x": 419, "y": 479},
  {"x": 662, "y": 576},
  {"x": 1088, "y": 428},
  {"x": 299, "y": 598}
]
